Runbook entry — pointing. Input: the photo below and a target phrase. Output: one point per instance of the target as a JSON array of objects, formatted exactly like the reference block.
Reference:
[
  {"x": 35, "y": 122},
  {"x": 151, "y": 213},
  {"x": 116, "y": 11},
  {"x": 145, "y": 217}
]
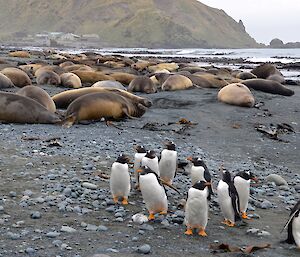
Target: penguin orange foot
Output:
[
  {"x": 125, "y": 201},
  {"x": 228, "y": 223},
  {"x": 151, "y": 216},
  {"x": 163, "y": 213},
  {"x": 115, "y": 199},
  {"x": 189, "y": 232},
  {"x": 202, "y": 233},
  {"x": 244, "y": 216}
]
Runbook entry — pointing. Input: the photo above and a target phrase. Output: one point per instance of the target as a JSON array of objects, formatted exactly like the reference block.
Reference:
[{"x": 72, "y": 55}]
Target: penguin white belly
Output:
[
  {"x": 167, "y": 165},
  {"x": 296, "y": 230},
  {"x": 151, "y": 163},
  {"x": 197, "y": 173},
  {"x": 196, "y": 209},
  {"x": 243, "y": 188},
  {"x": 137, "y": 163},
  {"x": 225, "y": 201},
  {"x": 119, "y": 180},
  {"x": 153, "y": 194}
]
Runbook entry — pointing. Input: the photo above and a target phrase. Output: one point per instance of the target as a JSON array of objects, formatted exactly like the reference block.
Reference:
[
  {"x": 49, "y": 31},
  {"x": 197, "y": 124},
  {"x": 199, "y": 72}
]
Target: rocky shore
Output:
[{"x": 54, "y": 186}]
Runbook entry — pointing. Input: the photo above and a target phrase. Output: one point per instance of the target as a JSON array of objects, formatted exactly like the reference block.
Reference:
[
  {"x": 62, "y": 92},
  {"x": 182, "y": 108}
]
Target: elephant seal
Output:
[
  {"x": 58, "y": 70},
  {"x": 19, "y": 54},
  {"x": 176, "y": 82},
  {"x": 65, "y": 64},
  {"x": 140, "y": 65},
  {"x": 30, "y": 69},
  {"x": 267, "y": 71},
  {"x": 20, "y": 109},
  {"x": 70, "y": 80},
  {"x": 236, "y": 94},
  {"x": 245, "y": 75},
  {"x": 96, "y": 106},
  {"x": 142, "y": 84},
  {"x": 5, "y": 82},
  {"x": 48, "y": 77},
  {"x": 168, "y": 66},
  {"x": 63, "y": 99},
  {"x": 214, "y": 80},
  {"x": 123, "y": 77},
  {"x": 17, "y": 76},
  {"x": 268, "y": 86},
  {"x": 91, "y": 76},
  {"x": 109, "y": 84},
  {"x": 78, "y": 67},
  {"x": 40, "y": 95}
]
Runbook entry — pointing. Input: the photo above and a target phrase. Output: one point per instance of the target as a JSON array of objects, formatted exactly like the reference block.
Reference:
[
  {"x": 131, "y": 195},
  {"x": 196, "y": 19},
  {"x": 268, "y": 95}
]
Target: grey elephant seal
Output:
[
  {"x": 20, "y": 109},
  {"x": 17, "y": 76},
  {"x": 142, "y": 84},
  {"x": 70, "y": 80},
  {"x": 40, "y": 95}
]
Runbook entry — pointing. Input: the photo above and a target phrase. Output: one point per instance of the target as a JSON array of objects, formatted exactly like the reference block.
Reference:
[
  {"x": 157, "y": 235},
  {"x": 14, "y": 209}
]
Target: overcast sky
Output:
[{"x": 264, "y": 19}]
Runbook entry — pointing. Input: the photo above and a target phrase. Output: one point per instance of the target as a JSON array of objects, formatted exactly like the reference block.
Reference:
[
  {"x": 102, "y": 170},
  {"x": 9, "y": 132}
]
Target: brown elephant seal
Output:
[
  {"x": 142, "y": 84},
  {"x": 167, "y": 66},
  {"x": 214, "y": 80},
  {"x": 5, "y": 82},
  {"x": 63, "y": 99},
  {"x": 31, "y": 68},
  {"x": 193, "y": 69},
  {"x": 48, "y": 77},
  {"x": 55, "y": 68},
  {"x": 123, "y": 77},
  {"x": 20, "y": 109},
  {"x": 140, "y": 65},
  {"x": 96, "y": 106},
  {"x": 19, "y": 54},
  {"x": 65, "y": 64},
  {"x": 70, "y": 80},
  {"x": 268, "y": 86},
  {"x": 267, "y": 71},
  {"x": 76, "y": 67},
  {"x": 40, "y": 95},
  {"x": 236, "y": 94},
  {"x": 176, "y": 82},
  {"x": 245, "y": 75},
  {"x": 91, "y": 76},
  {"x": 109, "y": 84},
  {"x": 17, "y": 76}
]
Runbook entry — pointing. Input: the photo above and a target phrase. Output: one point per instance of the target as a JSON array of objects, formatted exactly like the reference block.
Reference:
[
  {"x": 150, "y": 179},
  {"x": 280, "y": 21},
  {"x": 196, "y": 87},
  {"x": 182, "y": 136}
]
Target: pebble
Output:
[
  {"x": 147, "y": 227},
  {"x": 263, "y": 233},
  {"x": 67, "y": 229},
  {"x": 89, "y": 185},
  {"x": 139, "y": 218},
  {"x": 252, "y": 231},
  {"x": 35, "y": 215},
  {"x": 13, "y": 236},
  {"x": 91, "y": 227},
  {"x": 145, "y": 249},
  {"x": 102, "y": 228},
  {"x": 1, "y": 208},
  {"x": 52, "y": 234},
  {"x": 119, "y": 219},
  {"x": 277, "y": 179},
  {"x": 30, "y": 250},
  {"x": 266, "y": 205}
]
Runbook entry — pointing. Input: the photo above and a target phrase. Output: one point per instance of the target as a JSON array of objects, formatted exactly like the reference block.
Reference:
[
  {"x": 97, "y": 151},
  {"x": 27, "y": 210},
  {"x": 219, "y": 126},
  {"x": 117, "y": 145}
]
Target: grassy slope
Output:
[{"x": 149, "y": 23}]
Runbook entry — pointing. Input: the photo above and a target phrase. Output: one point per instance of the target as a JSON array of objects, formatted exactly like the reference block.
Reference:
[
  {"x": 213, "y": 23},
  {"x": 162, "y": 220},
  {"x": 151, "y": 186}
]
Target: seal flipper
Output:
[
  {"x": 124, "y": 109},
  {"x": 69, "y": 121}
]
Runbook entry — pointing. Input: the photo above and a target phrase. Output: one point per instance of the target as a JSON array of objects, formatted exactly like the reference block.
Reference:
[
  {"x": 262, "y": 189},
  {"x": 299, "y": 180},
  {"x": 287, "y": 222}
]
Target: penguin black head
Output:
[
  {"x": 197, "y": 161},
  {"x": 247, "y": 175},
  {"x": 145, "y": 170},
  {"x": 170, "y": 145},
  {"x": 140, "y": 149},
  {"x": 123, "y": 159},
  {"x": 150, "y": 154},
  {"x": 200, "y": 185},
  {"x": 226, "y": 176}
]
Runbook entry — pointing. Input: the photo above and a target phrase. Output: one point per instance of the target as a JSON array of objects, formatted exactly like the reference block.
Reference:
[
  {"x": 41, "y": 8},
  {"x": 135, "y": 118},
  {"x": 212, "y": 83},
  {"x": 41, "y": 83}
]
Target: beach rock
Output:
[
  {"x": 277, "y": 179},
  {"x": 145, "y": 249},
  {"x": 139, "y": 218}
]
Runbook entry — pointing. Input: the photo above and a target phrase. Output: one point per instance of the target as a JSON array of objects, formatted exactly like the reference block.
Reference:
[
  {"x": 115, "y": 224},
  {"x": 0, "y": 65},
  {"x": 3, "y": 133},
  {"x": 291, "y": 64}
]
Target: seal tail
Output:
[{"x": 68, "y": 121}]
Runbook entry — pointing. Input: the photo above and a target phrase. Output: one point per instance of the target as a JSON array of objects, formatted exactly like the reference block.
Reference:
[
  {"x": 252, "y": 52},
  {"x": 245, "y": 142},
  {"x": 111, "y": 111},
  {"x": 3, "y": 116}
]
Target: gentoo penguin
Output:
[
  {"x": 242, "y": 184},
  {"x": 293, "y": 225},
  {"x": 168, "y": 163},
  {"x": 228, "y": 199},
  {"x": 120, "y": 179},
  {"x": 150, "y": 160},
  {"x": 153, "y": 192},
  {"x": 140, "y": 153},
  {"x": 199, "y": 172},
  {"x": 196, "y": 208}
]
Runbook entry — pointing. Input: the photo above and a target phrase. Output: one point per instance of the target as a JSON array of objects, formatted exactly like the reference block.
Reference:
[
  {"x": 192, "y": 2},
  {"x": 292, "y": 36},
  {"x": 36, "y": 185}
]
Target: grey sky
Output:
[{"x": 264, "y": 19}]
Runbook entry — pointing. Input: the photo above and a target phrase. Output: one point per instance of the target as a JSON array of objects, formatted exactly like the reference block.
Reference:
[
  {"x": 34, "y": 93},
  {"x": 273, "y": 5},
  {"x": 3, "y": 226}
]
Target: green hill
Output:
[{"x": 126, "y": 23}]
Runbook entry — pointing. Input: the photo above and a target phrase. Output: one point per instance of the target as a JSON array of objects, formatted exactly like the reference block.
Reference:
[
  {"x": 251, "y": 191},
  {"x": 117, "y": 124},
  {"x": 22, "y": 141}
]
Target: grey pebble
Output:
[
  {"x": 29, "y": 250},
  {"x": 264, "y": 233},
  {"x": 52, "y": 234},
  {"x": 277, "y": 179},
  {"x": 119, "y": 219},
  {"x": 102, "y": 228},
  {"x": 1, "y": 208},
  {"x": 91, "y": 227},
  {"x": 67, "y": 229},
  {"x": 146, "y": 227},
  {"x": 13, "y": 236},
  {"x": 266, "y": 205},
  {"x": 35, "y": 215},
  {"x": 145, "y": 249}
]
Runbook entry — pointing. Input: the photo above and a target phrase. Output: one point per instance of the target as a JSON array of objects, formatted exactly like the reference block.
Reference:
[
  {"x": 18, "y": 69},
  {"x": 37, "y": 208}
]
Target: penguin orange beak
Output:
[
  {"x": 139, "y": 170},
  {"x": 255, "y": 179},
  {"x": 190, "y": 158}
]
